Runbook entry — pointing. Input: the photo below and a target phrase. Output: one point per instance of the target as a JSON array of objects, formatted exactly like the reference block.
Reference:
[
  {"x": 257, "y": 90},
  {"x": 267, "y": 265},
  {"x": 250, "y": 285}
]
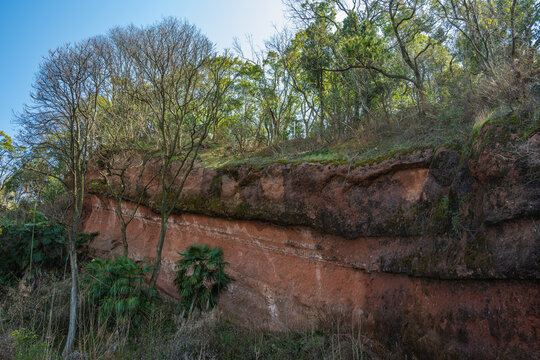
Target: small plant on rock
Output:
[{"x": 200, "y": 277}]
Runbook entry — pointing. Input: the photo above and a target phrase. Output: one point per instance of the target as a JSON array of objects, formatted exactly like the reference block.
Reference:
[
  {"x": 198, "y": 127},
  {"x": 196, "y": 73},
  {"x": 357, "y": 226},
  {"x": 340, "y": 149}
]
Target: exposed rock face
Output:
[{"x": 442, "y": 261}]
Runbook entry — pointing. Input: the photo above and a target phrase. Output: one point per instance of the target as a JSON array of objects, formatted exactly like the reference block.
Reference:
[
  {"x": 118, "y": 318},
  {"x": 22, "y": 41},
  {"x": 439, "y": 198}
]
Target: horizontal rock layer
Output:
[
  {"x": 432, "y": 253},
  {"x": 298, "y": 278}
]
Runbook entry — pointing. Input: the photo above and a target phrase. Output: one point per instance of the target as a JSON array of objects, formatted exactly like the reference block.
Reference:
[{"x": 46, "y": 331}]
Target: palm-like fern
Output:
[
  {"x": 200, "y": 277},
  {"x": 118, "y": 289}
]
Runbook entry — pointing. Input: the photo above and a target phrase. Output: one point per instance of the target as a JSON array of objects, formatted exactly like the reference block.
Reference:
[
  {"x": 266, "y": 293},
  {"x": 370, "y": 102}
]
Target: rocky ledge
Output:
[{"x": 435, "y": 251}]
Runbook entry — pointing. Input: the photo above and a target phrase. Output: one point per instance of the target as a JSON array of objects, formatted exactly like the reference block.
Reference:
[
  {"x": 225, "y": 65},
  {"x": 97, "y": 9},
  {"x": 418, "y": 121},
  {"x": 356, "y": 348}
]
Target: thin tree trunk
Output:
[
  {"x": 423, "y": 102},
  {"x": 74, "y": 286},
  {"x": 321, "y": 104},
  {"x": 123, "y": 225},
  {"x": 123, "y": 228},
  {"x": 157, "y": 263}
]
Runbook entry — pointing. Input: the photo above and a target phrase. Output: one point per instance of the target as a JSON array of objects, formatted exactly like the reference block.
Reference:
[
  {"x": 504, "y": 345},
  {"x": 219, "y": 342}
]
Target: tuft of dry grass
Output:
[{"x": 39, "y": 312}]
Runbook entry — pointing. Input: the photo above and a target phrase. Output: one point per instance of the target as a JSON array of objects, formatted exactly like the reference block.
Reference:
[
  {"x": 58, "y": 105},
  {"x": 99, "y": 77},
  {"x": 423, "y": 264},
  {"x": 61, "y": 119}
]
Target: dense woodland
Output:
[{"x": 346, "y": 78}]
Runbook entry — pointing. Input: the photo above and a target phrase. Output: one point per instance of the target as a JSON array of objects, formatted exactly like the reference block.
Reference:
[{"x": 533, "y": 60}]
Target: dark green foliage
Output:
[
  {"x": 40, "y": 243},
  {"x": 118, "y": 289},
  {"x": 200, "y": 277}
]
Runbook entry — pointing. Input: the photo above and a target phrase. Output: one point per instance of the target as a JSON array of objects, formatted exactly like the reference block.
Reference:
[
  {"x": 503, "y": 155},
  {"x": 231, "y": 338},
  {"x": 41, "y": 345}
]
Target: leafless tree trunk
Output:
[
  {"x": 182, "y": 83},
  {"x": 119, "y": 164},
  {"x": 123, "y": 130},
  {"x": 60, "y": 121}
]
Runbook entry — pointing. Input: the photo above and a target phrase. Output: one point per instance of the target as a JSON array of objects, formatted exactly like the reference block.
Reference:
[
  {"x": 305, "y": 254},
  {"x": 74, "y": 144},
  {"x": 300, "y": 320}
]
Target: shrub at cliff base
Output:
[
  {"x": 117, "y": 288},
  {"x": 34, "y": 326},
  {"x": 200, "y": 277},
  {"x": 29, "y": 347},
  {"x": 29, "y": 245}
]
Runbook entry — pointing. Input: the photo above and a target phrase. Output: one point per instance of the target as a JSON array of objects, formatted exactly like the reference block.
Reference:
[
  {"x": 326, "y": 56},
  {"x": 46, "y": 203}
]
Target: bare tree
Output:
[
  {"x": 182, "y": 83},
  {"x": 119, "y": 166},
  {"x": 123, "y": 132},
  {"x": 61, "y": 122}
]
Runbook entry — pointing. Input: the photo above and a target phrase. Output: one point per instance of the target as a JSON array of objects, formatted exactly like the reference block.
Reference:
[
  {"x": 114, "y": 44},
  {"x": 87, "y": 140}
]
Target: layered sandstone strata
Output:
[{"x": 431, "y": 251}]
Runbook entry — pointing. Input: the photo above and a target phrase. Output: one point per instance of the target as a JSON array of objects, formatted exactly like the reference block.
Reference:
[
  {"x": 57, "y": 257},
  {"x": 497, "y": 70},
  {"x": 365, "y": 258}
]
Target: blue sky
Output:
[{"x": 28, "y": 30}]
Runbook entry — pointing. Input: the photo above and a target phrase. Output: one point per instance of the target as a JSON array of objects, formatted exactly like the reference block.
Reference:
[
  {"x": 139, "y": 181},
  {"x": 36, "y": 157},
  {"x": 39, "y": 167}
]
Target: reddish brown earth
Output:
[
  {"x": 290, "y": 278},
  {"x": 434, "y": 259}
]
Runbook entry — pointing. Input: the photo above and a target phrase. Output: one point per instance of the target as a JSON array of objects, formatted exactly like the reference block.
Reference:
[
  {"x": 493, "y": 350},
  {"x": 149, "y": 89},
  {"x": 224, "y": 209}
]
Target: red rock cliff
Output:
[{"x": 441, "y": 260}]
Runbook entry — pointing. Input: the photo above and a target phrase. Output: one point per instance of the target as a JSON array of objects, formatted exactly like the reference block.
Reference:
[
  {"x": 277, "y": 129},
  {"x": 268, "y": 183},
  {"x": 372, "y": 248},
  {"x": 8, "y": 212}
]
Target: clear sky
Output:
[{"x": 28, "y": 30}]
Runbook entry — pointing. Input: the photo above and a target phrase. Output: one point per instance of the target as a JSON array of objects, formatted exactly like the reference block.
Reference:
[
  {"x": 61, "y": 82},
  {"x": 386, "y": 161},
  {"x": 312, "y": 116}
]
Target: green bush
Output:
[
  {"x": 200, "y": 277},
  {"x": 29, "y": 347},
  {"x": 40, "y": 243},
  {"x": 118, "y": 289}
]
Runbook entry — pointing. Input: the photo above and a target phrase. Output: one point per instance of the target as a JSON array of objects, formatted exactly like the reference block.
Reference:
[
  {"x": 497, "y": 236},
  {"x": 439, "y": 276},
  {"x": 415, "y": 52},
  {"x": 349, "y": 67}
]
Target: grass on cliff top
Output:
[
  {"x": 506, "y": 124},
  {"x": 364, "y": 147}
]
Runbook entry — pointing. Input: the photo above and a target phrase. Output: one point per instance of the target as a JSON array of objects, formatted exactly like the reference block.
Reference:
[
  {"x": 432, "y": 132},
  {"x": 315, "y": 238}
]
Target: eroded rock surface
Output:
[{"x": 434, "y": 255}]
